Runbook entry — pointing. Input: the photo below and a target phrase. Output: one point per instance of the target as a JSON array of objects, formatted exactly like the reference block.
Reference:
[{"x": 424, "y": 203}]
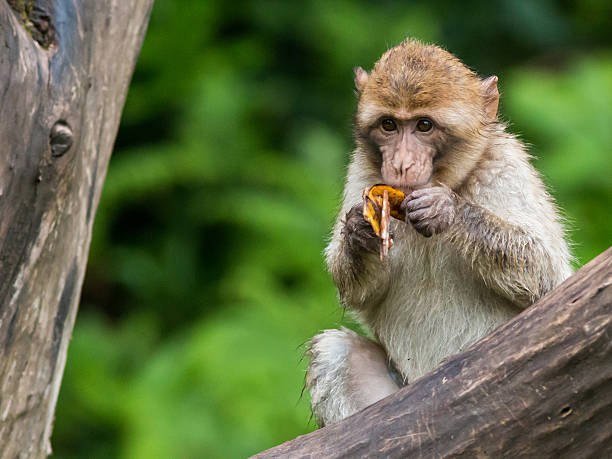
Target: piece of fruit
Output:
[{"x": 381, "y": 202}]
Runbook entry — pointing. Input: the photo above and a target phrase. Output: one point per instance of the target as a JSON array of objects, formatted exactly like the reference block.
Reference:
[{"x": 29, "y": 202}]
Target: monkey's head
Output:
[{"x": 423, "y": 116}]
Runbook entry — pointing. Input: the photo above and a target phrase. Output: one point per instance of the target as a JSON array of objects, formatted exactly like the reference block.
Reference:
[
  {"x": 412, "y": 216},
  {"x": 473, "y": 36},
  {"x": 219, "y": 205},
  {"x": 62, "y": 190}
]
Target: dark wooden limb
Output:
[
  {"x": 539, "y": 386},
  {"x": 65, "y": 66}
]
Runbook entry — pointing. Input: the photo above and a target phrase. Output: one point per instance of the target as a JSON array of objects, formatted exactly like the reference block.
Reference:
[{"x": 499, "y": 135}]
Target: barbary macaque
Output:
[{"x": 481, "y": 239}]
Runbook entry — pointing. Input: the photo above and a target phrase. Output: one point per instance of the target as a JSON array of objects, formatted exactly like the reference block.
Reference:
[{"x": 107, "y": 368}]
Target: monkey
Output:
[{"x": 481, "y": 241}]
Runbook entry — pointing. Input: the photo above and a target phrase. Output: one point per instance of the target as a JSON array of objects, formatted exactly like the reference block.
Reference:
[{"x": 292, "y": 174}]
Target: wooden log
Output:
[
  {"x": 539, "y": 386},
  {"x": 65, "y": 67}
]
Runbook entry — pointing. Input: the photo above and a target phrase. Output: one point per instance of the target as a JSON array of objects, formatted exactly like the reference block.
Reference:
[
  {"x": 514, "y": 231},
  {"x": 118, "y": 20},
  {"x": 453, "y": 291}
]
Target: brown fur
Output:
[
  {"x": 495, "y": 242},
  {"x": 412, "y": 76}
]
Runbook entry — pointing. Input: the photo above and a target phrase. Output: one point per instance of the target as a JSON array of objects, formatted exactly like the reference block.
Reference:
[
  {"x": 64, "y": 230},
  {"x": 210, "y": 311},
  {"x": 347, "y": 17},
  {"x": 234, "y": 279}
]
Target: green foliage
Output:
[{"x": 206, "y": 273}]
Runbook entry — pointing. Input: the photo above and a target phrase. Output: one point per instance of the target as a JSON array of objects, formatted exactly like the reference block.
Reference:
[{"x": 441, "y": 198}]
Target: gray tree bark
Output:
[
  {"x": 65, "y": 66},
  {"x": 539, "y": 386}
]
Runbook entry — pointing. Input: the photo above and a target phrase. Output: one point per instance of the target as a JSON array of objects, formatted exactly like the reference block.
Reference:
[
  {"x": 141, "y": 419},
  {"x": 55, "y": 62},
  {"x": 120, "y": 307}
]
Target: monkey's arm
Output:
[
  {"x": 347, "y": 372},
  {"x": 511, "y": 237},
  {"x": 511, "y": 260},
  {"x": 352, "y": 255},
  {"x": 353, "y": 261}
]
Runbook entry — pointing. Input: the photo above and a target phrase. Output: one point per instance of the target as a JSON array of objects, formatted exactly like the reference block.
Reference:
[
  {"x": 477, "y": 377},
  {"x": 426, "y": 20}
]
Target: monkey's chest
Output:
[{"x": 436, "y": 305}]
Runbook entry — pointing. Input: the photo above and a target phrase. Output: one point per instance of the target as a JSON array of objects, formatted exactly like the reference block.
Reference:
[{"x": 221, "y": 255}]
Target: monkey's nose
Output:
[
  {"x": 406, "y": 169},
  {"x": 401, "y": 166}
]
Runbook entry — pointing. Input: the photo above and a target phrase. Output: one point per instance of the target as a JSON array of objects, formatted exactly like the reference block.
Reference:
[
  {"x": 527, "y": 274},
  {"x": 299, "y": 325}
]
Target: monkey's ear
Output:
[
  {"x": 491, "y": 97},
  {"x": 361, "y": 78}
]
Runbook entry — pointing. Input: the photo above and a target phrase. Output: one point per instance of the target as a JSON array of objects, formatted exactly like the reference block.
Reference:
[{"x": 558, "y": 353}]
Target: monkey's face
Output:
[
  {"x": 406, "y": 147},
  {"x": 423, "y": 116}
]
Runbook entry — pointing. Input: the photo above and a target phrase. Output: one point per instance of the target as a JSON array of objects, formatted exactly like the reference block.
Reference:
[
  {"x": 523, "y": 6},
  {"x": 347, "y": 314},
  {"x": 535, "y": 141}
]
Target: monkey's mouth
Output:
[
  {"x": 407, "y": 189},
  {"x": 409, "y": 180}
]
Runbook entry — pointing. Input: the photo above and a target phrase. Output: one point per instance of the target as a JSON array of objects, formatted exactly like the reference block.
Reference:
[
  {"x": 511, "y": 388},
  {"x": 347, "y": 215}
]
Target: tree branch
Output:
[
  {"x": 64, "y": 72},
  {"x": 539, "y": 386}
]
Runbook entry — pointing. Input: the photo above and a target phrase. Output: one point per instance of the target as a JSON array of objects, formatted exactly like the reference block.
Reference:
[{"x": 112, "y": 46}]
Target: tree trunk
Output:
[
  {"x": 65, "y": 66},
  {"x": 539, "y": 386}
]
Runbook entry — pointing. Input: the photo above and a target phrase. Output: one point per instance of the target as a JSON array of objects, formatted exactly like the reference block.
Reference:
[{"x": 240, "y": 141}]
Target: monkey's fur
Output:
[{"x": 482, "y": 237}]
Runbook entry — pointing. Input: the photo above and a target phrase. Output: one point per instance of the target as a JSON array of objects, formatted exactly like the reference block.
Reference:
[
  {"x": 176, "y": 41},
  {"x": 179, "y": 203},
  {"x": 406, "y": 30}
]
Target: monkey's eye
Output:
[
  {"x": 424, "y": 125},
  {"x": 388, "y": 124}
]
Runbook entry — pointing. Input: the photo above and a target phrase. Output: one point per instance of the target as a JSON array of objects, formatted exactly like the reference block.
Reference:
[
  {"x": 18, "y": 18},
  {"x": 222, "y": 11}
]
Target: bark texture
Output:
[
  {"x": 539, "y": 386},
  {"x": 65, "y": 66}
]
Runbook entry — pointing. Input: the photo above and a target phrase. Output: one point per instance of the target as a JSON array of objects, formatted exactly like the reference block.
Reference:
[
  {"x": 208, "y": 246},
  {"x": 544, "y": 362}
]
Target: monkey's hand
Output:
[
  {"x": 430, "y": 210},
  {"x": 354, "y": 262},
  {"x": 358, "y": 233}
]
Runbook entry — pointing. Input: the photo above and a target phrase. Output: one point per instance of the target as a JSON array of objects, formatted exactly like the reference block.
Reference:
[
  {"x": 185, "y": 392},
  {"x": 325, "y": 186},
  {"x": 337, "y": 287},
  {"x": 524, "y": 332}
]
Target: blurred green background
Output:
[{"x": 206, "y": 274}]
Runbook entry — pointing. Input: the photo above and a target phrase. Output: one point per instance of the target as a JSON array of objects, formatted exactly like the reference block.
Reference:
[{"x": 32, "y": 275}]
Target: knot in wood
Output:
[
  {"x": 37, "y": 18},
  {"x": 60, "y": 138}
]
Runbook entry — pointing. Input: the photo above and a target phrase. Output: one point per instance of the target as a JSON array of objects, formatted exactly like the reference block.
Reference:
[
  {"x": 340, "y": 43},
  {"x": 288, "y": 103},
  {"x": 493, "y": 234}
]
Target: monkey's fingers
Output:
[
  {"x": 363, "y": 240},
  {"x": 411, "y": 204},
  {"x": 424, "y": 227},
  {"x": 419, "y": 215},
  {"x": 420, "y": 192}
]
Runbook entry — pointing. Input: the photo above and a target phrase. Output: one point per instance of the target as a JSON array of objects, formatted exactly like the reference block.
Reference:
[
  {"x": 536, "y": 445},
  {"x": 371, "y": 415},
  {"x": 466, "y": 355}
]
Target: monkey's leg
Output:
[{"x": 347, "y": 372}]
